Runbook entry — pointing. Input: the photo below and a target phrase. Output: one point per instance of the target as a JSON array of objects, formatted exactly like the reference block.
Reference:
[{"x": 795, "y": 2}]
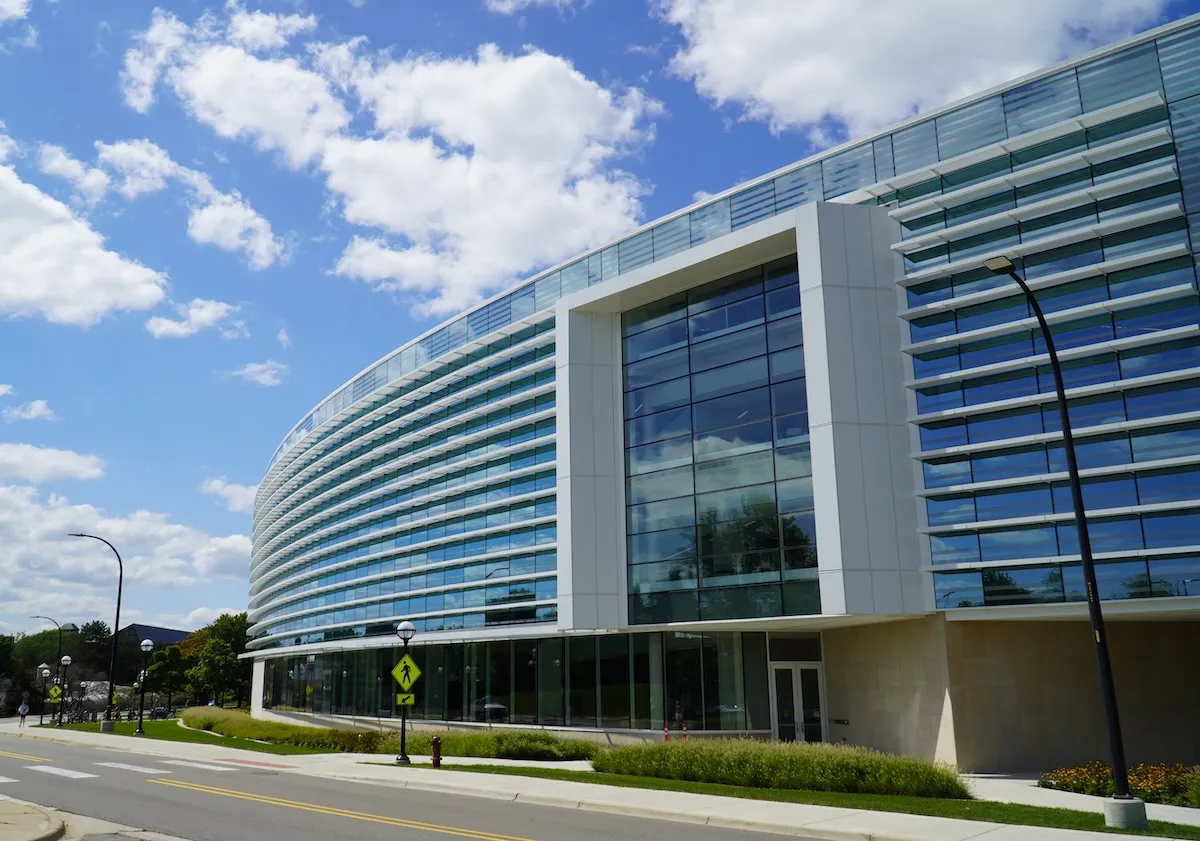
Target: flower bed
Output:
[{"x": 1175, "y": 785}]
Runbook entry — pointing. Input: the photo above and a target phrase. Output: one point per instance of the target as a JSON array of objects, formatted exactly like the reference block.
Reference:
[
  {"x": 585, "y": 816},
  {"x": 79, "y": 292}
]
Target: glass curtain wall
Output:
[
  {"x": 710, "y": 681},
  {"x": 719, "y": 478}
]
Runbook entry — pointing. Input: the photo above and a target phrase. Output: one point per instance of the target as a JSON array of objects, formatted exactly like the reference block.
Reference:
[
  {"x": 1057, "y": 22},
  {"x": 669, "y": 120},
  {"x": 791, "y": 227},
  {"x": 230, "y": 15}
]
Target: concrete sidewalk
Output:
[
  {"x": 1024, "y": 789},
  {"x": 21, "y": 821},
  {"x": 821, "y": 822}
]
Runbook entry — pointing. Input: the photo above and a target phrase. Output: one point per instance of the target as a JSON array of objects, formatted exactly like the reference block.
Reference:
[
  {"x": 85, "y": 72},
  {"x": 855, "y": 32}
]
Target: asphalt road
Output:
[{"x": 218, "y": 803}]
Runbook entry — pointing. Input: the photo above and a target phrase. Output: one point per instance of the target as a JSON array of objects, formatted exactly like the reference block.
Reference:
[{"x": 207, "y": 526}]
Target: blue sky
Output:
[{"x": 212, "y": 215}]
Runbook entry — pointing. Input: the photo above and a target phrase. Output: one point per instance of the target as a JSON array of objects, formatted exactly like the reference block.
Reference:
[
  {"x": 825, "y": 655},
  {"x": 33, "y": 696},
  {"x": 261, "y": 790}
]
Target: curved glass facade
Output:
[{"x": 425, "y": 488}]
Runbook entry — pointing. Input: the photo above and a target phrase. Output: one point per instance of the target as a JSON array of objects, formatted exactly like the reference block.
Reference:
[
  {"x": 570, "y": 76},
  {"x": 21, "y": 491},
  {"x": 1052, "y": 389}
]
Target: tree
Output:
[
  {"x": 8, "y": 646},
  {"x": 216, "y": 669},
  {"x": 97, "y": 649},
  {"x": 168, "y": 670},
  {"x": 230, "y": 629}
]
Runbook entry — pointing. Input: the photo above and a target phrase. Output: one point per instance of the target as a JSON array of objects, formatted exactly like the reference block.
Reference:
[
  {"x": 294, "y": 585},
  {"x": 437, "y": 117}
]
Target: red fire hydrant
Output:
[{"x": 435, "y": 751}]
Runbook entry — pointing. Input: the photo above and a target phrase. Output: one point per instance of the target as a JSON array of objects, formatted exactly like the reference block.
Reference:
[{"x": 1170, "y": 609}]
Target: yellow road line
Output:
[
  {"x": 24, "y": 757},
  {"x": 333, "y": 811}
]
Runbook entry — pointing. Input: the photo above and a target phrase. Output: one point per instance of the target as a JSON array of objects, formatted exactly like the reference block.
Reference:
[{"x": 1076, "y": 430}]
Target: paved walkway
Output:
[
  {"x": 1024, "y": 789},
  {"x": 26, "y": 822},
  {"x": 822, "y": 822}
]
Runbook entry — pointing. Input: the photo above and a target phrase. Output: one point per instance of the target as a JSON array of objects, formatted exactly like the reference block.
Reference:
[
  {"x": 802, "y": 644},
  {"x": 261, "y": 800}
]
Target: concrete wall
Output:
[
  {"x": 1026, "y": 694},
  {"x": 890, "y": 683},
  {"x": 1013, "y": 697},
  {"x": 868, "y": 555}
]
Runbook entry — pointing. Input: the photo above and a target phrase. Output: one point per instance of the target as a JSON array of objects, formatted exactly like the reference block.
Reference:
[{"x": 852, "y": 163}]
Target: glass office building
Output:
[{"x": 788, "y": 463}]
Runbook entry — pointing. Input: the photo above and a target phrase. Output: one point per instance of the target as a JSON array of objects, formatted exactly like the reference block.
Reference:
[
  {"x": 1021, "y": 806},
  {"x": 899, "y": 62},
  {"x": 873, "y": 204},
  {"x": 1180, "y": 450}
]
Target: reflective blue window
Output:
[
  {"x": 1042, "y": 103},
  {"x": 952, "y": 433},
  {"x": 1115, "y": 78},
  {"x": 1018, "y": 543},
  {"x": 1179, "y": 57},
  {"x": 954, "y": 548}
]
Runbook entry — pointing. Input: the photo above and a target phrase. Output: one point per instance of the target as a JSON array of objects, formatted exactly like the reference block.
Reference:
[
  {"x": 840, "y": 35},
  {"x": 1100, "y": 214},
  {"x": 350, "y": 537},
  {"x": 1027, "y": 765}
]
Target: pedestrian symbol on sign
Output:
[{"x": 406, "y": 672}]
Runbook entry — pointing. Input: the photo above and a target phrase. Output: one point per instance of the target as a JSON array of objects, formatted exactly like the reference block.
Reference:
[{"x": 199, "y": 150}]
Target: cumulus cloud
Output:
[
  {"x": 225, "y": 220},
  {"x": 452, "y": 135},
  {"x": 262, "y": 31},
  {"x": 508, "y": 7},
  {"x": 863, "y": 64},
  {"x": 33, "y": 410},
  {"x": 11, "y": 10},
  {"x": 90, "y": 183},
  {"x": 5, "y": 390},
  {"x": 55, "y": 265},
  {"x": 236, "y": 497},
  {"x": 202, "y": 616},
  {"x": 45, "y": 464},
  {"x": 198, "y": 315},
  {"x": 47, "y": 572},
  {"x": 269, "y": 373},
  {"x": 285, "y": 341}
]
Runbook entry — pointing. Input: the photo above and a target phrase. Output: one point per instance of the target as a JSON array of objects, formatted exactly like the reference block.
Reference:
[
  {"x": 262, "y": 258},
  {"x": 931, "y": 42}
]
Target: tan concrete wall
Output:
[
  {"x": 890, "y": 681},
  {"x": 1026, "y": 694}
]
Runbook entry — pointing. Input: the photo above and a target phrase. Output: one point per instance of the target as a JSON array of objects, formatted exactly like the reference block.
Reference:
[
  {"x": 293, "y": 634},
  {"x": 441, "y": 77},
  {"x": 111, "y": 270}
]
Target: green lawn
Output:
[
  {"x": 974, "y": 810},
  {"x": 170, "y": 731}
]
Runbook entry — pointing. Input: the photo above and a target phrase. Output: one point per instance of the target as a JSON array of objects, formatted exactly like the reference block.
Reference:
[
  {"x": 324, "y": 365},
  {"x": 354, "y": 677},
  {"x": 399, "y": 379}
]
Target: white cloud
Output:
[
  {"x": 453, "y": 136},
  {"x": 90, "y": 183},
  {"x": 236, "y": 497},
  {"x": 54, "y": 264},
  {"x": 13, "y": 9},
  {"x": 197, "y": 315},
  {"x": 33, "y": 410},
  {"x": 28, "y": 41},
  {"x": 262, "y": 31},
  {"x": 45, "y": 571},
  {"x": 8, "y": 146},
  {"x": 508, "y": 7},
  {"x": 144, "y": 64},
  {"x": 864, "y": 64},
  {"x": 235, "y": 329},
  {"x": 202, "y": 616},
  {"x": 5, "y": 390},
  {"x": 225, "y": 220},
  {"x": 269, "y": 373},
  {"x": 45, "y": 464},
  {"x": 285, "y": 341}
]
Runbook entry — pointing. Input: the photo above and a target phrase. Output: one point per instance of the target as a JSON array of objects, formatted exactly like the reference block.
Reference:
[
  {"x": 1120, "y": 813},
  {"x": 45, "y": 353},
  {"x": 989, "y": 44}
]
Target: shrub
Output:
[
  {"x": 805, "y": 767},
  {"x": 236, "y": 725},
  {"x": 498, "y": 744},
  {"x": 1172, "y": 784}
]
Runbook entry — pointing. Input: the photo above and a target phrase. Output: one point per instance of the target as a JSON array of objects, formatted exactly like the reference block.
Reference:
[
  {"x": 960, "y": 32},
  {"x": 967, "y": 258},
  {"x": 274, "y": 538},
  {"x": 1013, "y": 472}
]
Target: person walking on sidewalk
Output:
[{"x": 23, "y": 711}]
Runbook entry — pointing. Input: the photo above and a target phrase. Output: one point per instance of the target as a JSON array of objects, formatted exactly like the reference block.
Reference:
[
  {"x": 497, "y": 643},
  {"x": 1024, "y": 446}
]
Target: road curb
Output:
[{"x": 50, "y": 828}]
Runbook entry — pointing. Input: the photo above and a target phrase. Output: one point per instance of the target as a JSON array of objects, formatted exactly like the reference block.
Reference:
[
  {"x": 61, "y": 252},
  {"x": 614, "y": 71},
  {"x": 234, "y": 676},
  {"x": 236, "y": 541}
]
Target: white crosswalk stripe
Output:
[
  {"x": 7, "y": 780},
  {"x": 60, "y": 772},
  {"x": 201, "y": 765},
  {"x": 140, "y": 769}
]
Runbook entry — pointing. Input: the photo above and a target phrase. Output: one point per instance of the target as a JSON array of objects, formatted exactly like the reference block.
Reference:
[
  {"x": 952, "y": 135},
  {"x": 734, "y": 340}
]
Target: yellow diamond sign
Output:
[
  {"x": 55, "y": 693},
  {"x": 406, "y": 672}
]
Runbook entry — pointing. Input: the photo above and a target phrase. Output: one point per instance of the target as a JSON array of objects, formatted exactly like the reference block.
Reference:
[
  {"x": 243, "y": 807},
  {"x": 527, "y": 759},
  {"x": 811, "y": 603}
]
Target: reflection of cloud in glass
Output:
[{"x": 662, "y": 455}]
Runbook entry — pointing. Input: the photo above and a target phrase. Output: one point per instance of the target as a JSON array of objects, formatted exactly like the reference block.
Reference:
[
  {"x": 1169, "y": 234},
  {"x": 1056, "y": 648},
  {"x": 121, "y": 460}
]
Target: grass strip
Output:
[
  {"x": 971, "y": 810},
  {"x": 169, "y": 731}
]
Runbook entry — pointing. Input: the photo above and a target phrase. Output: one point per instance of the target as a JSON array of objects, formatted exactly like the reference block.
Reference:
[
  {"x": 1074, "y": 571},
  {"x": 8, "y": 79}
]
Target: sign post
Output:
[{"x": 406, "y": 674}]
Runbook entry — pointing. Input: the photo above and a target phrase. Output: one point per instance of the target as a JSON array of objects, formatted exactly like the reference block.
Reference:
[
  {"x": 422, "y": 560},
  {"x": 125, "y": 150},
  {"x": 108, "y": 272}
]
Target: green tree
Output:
[
  {"x": 168, "y": 671},
  {"x": 216, "y": 669},
  {"x": 97, "y": 645},
  {"x": 231, "y": 629},
  {"x": 8, "y": 646}
]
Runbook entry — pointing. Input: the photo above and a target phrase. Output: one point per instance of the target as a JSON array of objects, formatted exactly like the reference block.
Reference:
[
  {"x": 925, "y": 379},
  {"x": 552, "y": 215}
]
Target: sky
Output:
[{"x": 214, "y": 214}]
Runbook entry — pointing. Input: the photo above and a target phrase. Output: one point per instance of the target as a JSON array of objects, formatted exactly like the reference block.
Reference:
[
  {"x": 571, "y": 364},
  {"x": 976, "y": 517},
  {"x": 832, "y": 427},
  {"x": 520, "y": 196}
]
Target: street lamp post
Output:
[
  {"x": 65, "y": 660},
  {"x": 44, "y": 671},
  {"x": 147, "y": 646},
  {"x": 107, "y": 724},
  {"x": 69, "y": 627},
  {"x": 1122, "y": 810},
  {"x": 406, "y": 631}
]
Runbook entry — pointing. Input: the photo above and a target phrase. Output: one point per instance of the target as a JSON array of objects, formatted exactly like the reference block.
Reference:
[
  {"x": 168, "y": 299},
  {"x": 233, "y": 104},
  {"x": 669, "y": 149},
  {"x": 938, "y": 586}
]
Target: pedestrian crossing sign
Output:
[
  {"x": 406, "y": 672},
  {"x": 55, "y": 693},
  {"x": 405, "y": 699}
]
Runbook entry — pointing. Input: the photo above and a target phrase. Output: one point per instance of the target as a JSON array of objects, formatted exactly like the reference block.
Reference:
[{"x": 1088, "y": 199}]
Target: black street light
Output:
[
  {"x": 1128, "y": 811},
  {"x": 112, "y": 661},
  {"x": 65, "y": 660},
  {"x": 44, "y": 671},
  {"x": 69, "y": 627},
  {"x": 147, "y": 646},
  {"x": 406, "y": 631}
]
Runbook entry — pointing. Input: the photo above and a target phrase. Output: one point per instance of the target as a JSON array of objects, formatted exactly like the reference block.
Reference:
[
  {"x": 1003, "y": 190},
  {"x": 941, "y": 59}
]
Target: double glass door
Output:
[{"x": 797, "y": 711}]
